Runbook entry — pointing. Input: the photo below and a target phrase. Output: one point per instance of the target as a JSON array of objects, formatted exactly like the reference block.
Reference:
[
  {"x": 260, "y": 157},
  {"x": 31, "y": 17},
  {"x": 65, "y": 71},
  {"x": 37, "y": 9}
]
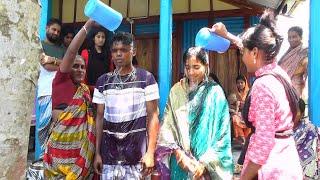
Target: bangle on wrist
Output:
[{"x": 85, "y": 29}]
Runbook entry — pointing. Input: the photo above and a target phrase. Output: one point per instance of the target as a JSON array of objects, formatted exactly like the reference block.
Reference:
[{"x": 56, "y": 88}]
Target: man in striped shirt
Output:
[{"x": 127, "y": 116}]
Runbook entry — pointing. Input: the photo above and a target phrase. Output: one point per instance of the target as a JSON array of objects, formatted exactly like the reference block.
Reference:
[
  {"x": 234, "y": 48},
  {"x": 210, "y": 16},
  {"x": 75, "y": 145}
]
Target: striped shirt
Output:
[{"x": 124, "y": 138}]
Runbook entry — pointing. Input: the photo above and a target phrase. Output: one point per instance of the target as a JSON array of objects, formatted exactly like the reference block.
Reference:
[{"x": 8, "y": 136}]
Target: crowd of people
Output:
[{"x": 97, "y": 114}]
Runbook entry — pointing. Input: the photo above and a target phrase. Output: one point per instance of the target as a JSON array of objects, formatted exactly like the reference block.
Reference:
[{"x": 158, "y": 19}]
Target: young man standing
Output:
[
  {"x": 51, "y": 49},
  {"x": 127, "y": 116}
]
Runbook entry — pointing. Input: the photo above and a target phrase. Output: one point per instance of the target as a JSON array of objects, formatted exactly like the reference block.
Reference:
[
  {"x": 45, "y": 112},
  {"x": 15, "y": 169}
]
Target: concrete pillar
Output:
[
  {"x": 165, "y": 49},
  {"x": 314, "y": 62},
  {"x": 45, "y": 15}
]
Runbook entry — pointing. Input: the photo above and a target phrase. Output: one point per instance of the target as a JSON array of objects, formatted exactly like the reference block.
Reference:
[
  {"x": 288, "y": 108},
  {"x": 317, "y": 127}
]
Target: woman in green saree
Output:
[{"x": 194, "y": 140}]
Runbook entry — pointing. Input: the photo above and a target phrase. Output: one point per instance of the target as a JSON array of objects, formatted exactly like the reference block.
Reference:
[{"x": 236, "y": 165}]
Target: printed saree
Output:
[
  {"x": 241, "y": 95},
  {"x": 307, "y": 140},
  {"x": 290, "y": 62},
  {"x": 198, "y": 123},
  {"x": 71, "y": 144},
  {"x": 239, "y": 127}
]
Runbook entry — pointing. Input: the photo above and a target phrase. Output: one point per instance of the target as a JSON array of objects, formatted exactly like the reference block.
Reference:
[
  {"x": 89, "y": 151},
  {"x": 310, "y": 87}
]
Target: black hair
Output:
[
  {"x": 93, "y": 32},
  {"x": 198, "y": 52},
  {"x": 124, "y": 37},
  {"x": 54, "y": 21},
  {"x": 296, "y": 29},
  {"x": 302, "y": 106},
  {"x": 65, "y": 30},
  {"x": 135, "y": 61},
  {"x": 241, "y": 77},
  {"x": 264, "y": 36},
  {"x": 215, "y": 78}
]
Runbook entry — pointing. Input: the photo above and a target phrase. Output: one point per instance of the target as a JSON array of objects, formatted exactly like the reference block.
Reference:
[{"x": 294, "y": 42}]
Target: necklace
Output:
[
  {"x": 126, "y": 79},
  {"x": 119, "y": 85}
]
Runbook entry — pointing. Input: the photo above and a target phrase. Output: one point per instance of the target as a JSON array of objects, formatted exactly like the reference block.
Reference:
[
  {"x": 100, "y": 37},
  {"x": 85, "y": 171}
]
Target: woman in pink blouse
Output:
[{"x": 272, "y": 152}]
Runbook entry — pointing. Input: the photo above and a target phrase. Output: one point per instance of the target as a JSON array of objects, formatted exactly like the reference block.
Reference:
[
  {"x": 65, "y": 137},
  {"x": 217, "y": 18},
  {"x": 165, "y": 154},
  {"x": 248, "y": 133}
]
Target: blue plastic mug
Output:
[
  {"x": 103, "y": 14},
  {"x": 211, "y": 41}
]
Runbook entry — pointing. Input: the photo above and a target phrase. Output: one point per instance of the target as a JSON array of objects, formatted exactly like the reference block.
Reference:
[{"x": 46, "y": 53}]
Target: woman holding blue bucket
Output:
[
  {"x": 271, "y": 104},
  {"x": 70, "y": 146}
]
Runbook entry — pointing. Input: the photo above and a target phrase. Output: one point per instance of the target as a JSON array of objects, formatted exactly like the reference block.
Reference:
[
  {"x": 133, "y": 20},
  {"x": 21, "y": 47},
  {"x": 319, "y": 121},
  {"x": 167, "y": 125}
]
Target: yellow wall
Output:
[
  {"x": 154, "y": 7},
  {"x": 179, "y": 6},
  {"x": 80, "y": 17},
  {"x": 138, "y": 8},
  {"x": 218, "y": 5},
  {"x": 105, "y": 1},
  {"x": 67, "y": 11},
  {"x": 120, "y": 6},
  {"x": 55, "y": 8},
  {"x": 200, "y": 5}
]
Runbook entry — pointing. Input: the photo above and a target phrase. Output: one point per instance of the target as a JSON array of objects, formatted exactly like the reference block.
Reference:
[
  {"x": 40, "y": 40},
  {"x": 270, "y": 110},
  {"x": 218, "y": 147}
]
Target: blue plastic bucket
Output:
[
  {"x": 103, "y": 14},
  {"x": 211, "y": 41}
]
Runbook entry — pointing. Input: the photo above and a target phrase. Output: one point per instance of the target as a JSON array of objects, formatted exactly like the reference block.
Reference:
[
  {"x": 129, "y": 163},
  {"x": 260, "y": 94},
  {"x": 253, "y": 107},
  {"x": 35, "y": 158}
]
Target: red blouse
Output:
[{"x": 63, "y": 89}]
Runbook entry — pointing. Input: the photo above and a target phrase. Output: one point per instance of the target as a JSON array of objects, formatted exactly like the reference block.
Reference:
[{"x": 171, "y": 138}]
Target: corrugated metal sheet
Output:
[
  {"x": 124, "y": 28},
  {"x": 141, "y": 29},
  {"x": 235, "y": 25},
  {"x": 254, "y": 20},
  {"x": 147, "y": 29},
  {"x": 190, "y": 30}
]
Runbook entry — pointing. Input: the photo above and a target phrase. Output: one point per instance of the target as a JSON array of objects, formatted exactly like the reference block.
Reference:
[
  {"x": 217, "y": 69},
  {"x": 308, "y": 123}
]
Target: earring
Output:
[{"x": 254, "y": 60}]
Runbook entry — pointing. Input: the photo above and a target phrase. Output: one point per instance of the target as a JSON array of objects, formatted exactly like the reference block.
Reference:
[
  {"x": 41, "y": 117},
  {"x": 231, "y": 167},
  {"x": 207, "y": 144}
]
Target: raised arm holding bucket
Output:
[
  {"x": 209, "y": 40},
  {"x": 103, "y": 14},
  {"x": 221, "y": 30},
  {"x": 216, "y": 38}
]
